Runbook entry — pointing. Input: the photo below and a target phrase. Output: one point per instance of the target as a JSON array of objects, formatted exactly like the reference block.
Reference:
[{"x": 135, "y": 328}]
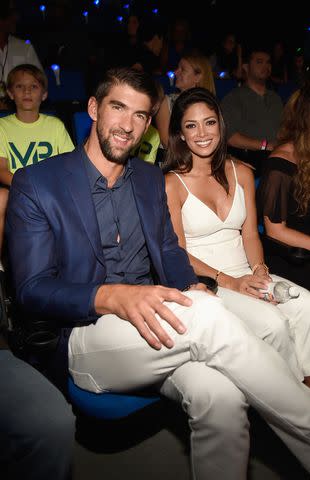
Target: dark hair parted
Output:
[
  {"x": 179, "y": 156},
  {"x": 142, "y": 82}
]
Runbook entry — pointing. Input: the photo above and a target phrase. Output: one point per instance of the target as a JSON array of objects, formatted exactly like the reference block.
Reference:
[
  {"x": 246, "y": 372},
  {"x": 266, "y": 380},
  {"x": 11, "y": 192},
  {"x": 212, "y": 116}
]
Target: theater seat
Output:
[
  {"x": 81, "y": 126},
  {"x": 108, "y": 406},
  {"x": 103, "y": 406},
  {"x": 71, "y": 87}
]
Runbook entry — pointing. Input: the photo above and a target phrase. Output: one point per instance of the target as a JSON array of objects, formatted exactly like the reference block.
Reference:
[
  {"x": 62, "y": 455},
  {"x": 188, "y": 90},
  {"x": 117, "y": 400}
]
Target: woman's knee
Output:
[{"x": 277, "y": 326}]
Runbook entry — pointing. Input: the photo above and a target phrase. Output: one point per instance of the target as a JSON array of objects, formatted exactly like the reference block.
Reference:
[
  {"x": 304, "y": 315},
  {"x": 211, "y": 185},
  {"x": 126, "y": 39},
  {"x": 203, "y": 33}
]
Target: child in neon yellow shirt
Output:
[{"x": 28, "y": 136}]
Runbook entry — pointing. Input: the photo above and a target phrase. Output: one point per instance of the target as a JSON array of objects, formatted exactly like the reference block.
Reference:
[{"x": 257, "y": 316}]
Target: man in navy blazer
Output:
[{"x": 92, "y": 246}]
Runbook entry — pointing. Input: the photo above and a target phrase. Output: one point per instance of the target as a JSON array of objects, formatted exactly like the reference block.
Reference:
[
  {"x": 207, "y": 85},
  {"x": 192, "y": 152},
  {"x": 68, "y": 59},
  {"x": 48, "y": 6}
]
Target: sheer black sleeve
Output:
[{"x": 273, "y": 195}]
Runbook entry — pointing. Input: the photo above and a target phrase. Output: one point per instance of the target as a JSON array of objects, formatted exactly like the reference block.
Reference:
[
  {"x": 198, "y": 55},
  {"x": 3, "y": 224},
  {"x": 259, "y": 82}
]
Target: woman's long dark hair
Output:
[{"x": 179, "y": 156}]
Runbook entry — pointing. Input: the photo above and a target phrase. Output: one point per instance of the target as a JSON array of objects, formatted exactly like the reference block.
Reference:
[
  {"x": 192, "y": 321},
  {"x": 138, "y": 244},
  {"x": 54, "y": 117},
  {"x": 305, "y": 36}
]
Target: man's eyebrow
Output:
[
  {"x": 121, "y": 104},
  {"x": 143, "y": 112},
  {"x": 117, "y": 102}
]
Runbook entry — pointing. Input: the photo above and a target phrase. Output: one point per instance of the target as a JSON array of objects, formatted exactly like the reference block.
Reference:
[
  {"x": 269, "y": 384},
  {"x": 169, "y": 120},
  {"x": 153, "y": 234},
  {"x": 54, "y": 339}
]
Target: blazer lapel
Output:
[
  {"x": 149, "y": 212},
  {"x": 78, "y": 185}
]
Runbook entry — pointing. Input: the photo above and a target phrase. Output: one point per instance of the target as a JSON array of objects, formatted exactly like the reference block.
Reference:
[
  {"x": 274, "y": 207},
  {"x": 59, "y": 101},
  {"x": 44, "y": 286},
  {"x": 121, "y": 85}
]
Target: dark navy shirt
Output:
[{"x": 123, "y": 243}]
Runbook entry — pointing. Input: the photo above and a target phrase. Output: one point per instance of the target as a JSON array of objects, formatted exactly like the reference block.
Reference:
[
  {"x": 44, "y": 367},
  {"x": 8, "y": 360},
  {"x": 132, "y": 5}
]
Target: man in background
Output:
[{"x": 13, "y": 50}]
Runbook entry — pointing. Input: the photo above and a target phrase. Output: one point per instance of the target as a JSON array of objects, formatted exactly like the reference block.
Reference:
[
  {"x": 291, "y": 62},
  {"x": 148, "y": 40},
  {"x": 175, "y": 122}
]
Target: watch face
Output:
[{"x": 2, "y": 89}]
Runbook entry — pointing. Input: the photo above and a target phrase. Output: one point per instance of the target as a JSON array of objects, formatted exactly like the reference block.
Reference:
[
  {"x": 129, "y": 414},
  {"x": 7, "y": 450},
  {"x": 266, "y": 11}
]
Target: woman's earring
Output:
[{"x": 183, "y": 138}]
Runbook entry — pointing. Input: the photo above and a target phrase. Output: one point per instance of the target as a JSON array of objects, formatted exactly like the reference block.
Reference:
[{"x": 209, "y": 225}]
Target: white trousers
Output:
[
  {"x": 285, "y": 326},
  {"x": 111, "y": 356}
]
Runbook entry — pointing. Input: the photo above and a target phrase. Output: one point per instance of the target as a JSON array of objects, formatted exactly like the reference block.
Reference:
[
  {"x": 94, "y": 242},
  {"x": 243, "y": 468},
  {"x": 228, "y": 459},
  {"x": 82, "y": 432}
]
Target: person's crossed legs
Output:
[{"x": 112, "y": 356}]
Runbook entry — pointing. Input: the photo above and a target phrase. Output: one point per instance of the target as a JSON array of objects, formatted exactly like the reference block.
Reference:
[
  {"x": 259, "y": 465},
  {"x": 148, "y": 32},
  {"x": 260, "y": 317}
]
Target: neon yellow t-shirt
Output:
[
  {"x": 27, "y": 143},
  {"x": 147, "y": 148}
]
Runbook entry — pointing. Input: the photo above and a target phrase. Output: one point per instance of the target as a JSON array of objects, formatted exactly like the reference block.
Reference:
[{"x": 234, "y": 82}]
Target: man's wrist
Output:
[
  {"x": 189, "y": 287},
  {"x": 195, "y": 286}
]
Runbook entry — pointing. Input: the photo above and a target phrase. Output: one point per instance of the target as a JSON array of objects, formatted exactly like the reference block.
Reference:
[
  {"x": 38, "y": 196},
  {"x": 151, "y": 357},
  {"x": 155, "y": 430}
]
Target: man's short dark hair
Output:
[
  {"x": 142, "y": 82},
  {"x": 252, "y": 49},
  {"x": 149, "y": 27}
]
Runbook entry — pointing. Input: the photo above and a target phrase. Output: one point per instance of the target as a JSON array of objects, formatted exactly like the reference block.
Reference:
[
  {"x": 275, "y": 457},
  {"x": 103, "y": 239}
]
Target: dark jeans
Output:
[{"x": 36, "y": 424}]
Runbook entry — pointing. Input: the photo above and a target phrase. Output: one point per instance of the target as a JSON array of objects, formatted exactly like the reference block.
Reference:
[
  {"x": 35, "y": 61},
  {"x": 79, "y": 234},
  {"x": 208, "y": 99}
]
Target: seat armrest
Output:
[{"x": 294, "y": 255}]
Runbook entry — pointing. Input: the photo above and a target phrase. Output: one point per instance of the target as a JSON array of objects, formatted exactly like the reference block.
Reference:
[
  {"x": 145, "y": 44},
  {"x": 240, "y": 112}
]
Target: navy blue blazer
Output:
[{"x": 54, "y": 244}]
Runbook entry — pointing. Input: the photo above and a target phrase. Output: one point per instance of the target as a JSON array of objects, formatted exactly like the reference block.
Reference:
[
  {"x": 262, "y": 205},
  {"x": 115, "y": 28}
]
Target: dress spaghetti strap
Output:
[
  {"x": 182, "y": 181},
  {"x": 235, "y": 173}
]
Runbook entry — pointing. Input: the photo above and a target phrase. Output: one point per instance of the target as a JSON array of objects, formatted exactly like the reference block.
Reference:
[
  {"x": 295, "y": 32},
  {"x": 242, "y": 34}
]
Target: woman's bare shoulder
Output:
[
  {"x": 244, "y": 171},
  {"x": 172, "y": 180}
]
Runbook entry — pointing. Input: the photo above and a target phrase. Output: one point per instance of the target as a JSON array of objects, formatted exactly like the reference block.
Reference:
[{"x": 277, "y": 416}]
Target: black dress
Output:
[{"x": 275, "y": 200}]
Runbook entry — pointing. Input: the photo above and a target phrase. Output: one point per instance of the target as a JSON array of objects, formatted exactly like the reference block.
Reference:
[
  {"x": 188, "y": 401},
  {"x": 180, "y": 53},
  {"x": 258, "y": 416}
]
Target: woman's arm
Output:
[
  {"x": 250, "y": 237},
  {"x": 279, "y": 231},
  {"x": 162, "y": 121},
  {"x": 273, "y": 197}
]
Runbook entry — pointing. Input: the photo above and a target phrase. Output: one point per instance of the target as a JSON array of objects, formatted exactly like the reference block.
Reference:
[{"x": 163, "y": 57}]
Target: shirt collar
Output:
[{"x": 95, "y": 177}]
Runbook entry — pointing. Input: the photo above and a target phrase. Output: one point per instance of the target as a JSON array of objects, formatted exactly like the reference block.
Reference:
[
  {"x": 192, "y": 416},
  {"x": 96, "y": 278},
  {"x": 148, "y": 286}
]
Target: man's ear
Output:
[
  {"x": 147, "y": 123},
  {"x": 92, "y": 108},
  {"x": 245, "y": 68}
]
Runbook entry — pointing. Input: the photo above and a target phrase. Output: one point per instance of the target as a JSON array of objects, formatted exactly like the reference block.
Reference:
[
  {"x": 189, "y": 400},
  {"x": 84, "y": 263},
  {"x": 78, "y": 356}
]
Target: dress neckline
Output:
[{"x": 204, "y": 204}]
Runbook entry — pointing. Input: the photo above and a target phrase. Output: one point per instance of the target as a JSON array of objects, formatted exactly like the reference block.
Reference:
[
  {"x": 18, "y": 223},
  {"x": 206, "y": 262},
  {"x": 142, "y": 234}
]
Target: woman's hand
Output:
[{"x": 250, "y": 285}]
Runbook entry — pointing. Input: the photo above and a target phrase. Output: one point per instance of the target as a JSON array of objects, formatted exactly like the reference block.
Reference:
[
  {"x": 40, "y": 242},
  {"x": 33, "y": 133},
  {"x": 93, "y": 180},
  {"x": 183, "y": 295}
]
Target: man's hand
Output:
[{"x": 138, "y": 304}]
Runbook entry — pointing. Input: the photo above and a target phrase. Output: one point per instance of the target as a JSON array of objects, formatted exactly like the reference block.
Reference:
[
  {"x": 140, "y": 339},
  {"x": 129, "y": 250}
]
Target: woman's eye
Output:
[
  {"x": 211, "y": 122},
  {"x": 190, "y": 125}
]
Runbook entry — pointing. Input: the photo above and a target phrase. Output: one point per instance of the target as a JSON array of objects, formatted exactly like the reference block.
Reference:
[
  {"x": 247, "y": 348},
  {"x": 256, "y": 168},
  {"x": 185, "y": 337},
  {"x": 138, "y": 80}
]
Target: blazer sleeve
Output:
[{"x": 38, "y": 285}]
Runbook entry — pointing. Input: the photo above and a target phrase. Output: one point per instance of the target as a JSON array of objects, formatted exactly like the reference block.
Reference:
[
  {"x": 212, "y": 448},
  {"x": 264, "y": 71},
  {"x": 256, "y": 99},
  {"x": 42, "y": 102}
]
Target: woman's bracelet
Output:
[
  {"x": 217, "y": 275},
  {"x": 261, "y": 264}
]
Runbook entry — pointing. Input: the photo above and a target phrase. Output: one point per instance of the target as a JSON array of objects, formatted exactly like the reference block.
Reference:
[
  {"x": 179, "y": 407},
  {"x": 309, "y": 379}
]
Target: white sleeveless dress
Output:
[
  {"x": 219, "y": 244},
  {"x": 215, "y": 242}
]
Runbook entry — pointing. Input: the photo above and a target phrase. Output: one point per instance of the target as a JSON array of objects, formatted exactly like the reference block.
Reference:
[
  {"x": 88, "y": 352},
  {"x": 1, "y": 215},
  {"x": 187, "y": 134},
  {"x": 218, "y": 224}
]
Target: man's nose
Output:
[{"x": 127, "y": 123}]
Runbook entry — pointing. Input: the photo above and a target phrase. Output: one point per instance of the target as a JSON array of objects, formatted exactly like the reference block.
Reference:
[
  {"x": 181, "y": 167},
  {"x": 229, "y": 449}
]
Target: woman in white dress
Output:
[{"x": 212, "y": 204}]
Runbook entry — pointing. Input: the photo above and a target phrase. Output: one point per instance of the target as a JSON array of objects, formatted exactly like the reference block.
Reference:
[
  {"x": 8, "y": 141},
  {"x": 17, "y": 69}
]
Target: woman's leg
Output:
[
  {"x": 267, "y": 322},
  {"x": 297, "y": 310}
]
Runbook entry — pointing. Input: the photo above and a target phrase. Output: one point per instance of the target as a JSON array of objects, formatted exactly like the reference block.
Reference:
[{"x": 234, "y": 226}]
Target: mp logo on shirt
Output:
[{"x": 35, "y": 152}]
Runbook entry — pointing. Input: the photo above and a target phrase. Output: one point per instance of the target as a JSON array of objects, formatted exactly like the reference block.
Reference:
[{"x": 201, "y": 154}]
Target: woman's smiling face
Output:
[{"x": 200, "y": 129}]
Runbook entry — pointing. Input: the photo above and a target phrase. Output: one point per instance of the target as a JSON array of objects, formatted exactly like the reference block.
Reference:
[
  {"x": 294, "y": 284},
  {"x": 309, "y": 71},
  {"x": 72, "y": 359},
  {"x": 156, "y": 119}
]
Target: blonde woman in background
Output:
[{"x": 194, "y": 70}]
